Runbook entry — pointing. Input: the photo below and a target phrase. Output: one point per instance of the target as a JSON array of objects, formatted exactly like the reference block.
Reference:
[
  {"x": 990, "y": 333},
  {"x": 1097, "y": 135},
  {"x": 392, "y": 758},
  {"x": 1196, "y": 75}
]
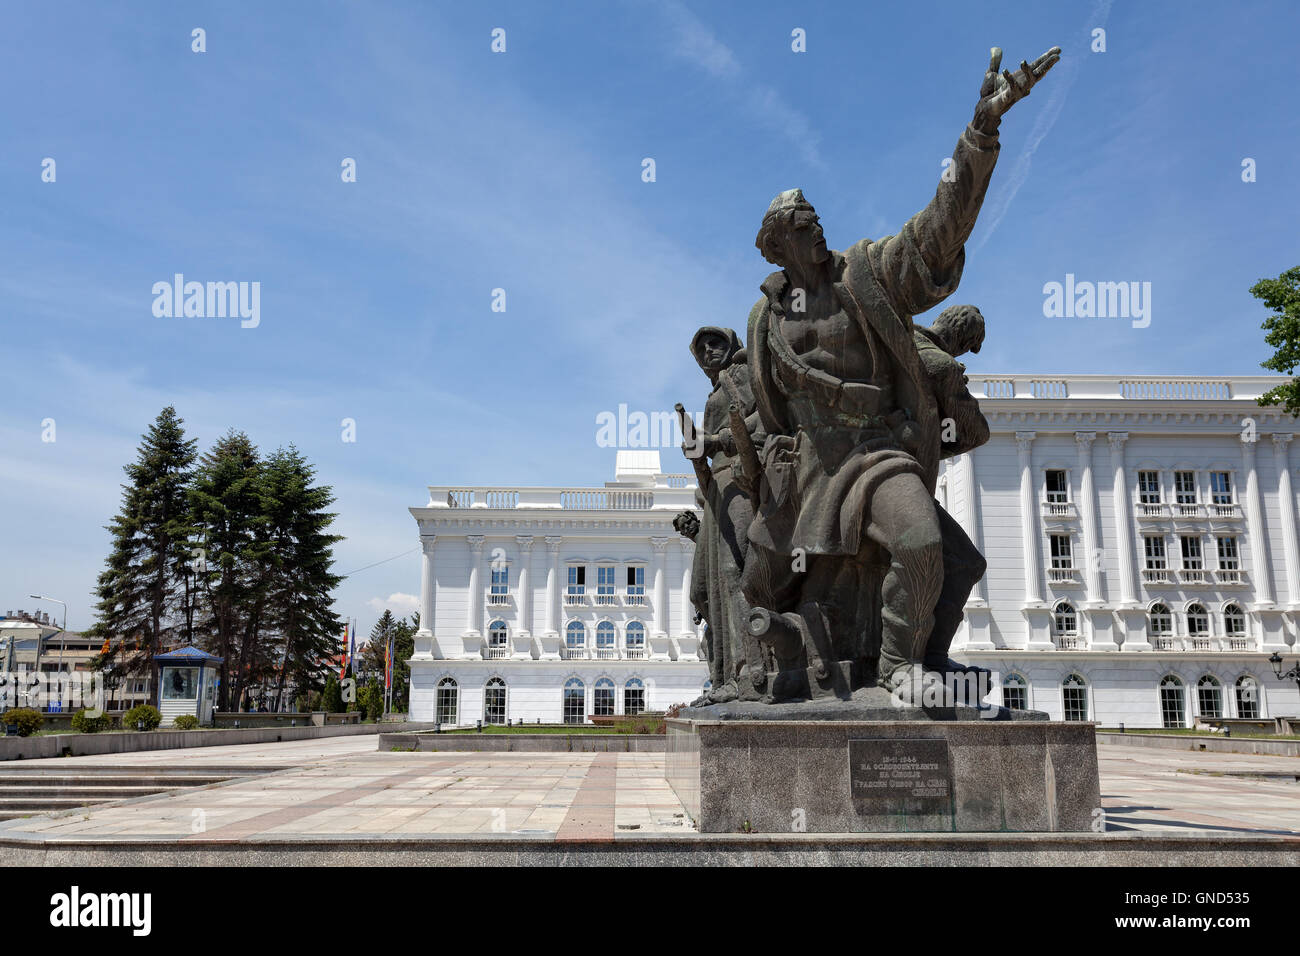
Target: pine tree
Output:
[
  {"x": 300, "y": 583},
  {"x": 141, "y": 589},
  {"x": 1282, "y": 295},
  {"x": 372, "y": 655},
  {"x": 225, "y": 498}
]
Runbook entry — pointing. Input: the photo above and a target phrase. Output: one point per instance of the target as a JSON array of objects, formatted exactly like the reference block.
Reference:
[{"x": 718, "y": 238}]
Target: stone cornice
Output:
[{"x": 443, "y": 523}]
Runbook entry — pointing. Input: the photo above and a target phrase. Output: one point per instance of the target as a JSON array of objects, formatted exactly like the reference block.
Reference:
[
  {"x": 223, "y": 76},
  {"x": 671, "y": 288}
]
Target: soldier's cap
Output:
[{"x": 792, "y": 200}]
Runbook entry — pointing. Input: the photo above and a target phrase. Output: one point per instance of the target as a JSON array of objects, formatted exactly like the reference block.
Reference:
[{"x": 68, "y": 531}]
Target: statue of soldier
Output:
[
  {"x": 852, "y": 445},
  {"x": 722, "y": 542},
  {"x": 962, "y": 427}
]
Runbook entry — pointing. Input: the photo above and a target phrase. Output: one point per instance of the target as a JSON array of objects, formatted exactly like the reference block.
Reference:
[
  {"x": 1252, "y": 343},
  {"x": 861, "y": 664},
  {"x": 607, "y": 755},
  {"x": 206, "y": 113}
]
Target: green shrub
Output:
[
  {"x": 186, "y": 722},
  {"x": 83, "y": 723},
  {"x": 27, "y": 720},
  {"x": 144, "y": 712},
  {"x": 332, "y": 697}
]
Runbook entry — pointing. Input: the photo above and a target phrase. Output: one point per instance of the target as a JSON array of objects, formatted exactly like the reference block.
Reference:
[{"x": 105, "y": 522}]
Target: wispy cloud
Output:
[{"x": 696, "y": 42}]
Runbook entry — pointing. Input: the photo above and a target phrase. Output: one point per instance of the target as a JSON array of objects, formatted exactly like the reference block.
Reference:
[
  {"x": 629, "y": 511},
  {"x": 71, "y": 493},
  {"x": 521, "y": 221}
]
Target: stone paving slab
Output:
[{"x": 363, "y": 805}]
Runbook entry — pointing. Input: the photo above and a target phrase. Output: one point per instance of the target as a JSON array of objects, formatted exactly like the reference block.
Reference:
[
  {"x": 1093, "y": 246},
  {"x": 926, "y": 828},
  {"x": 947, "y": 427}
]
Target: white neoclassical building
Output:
[
  {"x": 1141, "y": 542},
  {"x": 554, "y": 604},
  {"x": 1142, "y": 555}
]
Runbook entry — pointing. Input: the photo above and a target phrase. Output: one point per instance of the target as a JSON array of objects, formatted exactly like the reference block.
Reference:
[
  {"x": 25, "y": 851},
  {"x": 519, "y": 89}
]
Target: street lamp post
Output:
[
  {"x": 63, "y": 638},
  {"x": 1293, "y": 674}
]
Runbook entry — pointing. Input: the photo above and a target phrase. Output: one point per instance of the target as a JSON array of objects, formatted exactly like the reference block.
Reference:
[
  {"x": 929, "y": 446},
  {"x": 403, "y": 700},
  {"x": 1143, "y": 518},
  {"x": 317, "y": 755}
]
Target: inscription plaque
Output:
[{"x": 892, "y": 775}]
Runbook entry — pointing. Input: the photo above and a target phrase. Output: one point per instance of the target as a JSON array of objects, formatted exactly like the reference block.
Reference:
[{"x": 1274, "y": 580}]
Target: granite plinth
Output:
[{"x": 877, "y": 776}]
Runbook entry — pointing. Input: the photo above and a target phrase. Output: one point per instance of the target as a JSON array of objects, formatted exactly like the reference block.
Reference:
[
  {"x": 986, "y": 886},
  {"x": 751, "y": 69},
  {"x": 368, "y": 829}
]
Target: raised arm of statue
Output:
[{"x": 922, "y": 265}]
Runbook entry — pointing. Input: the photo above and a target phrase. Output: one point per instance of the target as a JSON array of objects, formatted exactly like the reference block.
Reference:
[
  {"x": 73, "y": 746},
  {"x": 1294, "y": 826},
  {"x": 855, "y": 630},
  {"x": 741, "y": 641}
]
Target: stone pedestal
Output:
[{"x": 867, "y": 776}]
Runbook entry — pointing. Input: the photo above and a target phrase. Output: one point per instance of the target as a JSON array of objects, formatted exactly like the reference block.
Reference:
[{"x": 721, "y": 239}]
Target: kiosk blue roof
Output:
[{"x": 188, "y": 655}]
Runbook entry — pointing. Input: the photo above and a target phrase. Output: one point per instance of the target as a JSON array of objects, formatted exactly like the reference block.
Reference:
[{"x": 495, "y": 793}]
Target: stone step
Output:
[
  {"x": 97, "y": 793},
  {"x": 46, "y": 804},
  {"x": 11, "y": 780}
]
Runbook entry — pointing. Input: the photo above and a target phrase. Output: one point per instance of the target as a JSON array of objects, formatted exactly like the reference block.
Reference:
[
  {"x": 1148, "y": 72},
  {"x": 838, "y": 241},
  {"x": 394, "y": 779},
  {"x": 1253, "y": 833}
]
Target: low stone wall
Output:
[
  {"x": 318, "y": 718},
  {"x": 524, "y": 743},
  {"x": 82, "y": 745},
  {"x": 1217, "y": 745}
]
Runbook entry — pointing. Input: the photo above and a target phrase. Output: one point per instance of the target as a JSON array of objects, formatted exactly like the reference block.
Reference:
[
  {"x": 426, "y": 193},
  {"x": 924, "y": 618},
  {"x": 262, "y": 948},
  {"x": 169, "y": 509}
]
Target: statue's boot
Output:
[
  {"x": 911, "y": 685},
  {"x": 723, "y": 694}
]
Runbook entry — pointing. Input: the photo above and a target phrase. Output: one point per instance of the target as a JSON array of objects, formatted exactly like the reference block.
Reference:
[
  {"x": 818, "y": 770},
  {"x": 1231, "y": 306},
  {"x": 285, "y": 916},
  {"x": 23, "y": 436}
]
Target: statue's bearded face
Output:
[{"x": 804, "y": 241}]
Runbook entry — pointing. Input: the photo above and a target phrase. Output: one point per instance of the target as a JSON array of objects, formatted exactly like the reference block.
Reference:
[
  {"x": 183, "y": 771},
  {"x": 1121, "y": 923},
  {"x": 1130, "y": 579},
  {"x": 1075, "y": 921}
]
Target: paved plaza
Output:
[{"x": 342, "y": 791}]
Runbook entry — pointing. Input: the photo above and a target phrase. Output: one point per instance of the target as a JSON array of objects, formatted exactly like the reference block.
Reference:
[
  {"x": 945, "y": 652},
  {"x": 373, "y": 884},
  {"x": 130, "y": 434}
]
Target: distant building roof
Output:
[
  {"x": 634, "y": 464},
  {"x": 191, "y": 655}
]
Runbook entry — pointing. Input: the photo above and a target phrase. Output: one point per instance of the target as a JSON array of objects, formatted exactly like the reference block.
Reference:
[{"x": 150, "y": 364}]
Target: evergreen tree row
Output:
[{"x": 230, "y": 551}]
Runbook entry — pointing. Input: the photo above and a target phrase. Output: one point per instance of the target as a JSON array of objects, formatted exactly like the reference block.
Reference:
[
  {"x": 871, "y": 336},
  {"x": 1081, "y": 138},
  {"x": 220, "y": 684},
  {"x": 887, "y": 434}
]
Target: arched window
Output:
[
  {"x": 1247, "y": 697},
  {"x": 635, "y": 639},
  {"x": 575, "y": 701},
  {"x": 1065, "y": 625},
  {"x": 497, "y": 634},
  {"x": 448, "y": 701},
  {"x": 494, "y": 701},
  {"x": 1234, "y": 621},
  {"x": 575, "y": 637},
  {"x": 1015, "y": 692},
  {"x": 1074, "y": 697},
  {"x": 1159, "y": 620},
  {"x": 605, "y": 636},
  {"x": 633, "y": 696},
  {"x": 1198, "y": 622},
  {"x": 1209, "y": 696},
  {"x": 1173, "y": 709},
  {"x": 602, "y": 704}
]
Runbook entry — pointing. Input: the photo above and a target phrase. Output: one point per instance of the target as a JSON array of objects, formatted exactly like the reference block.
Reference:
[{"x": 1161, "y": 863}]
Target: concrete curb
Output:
[
  {"x": 82, "y": 745},
  {"x": 669, "y": 849},
  {"x": 524, "y": 743},
  {"x": 1218, "y": 745}
]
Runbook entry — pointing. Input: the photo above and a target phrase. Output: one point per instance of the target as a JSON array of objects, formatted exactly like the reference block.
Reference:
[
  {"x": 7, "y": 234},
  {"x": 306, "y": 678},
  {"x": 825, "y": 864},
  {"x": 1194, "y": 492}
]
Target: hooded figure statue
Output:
[{"x": 737, "y": 665}]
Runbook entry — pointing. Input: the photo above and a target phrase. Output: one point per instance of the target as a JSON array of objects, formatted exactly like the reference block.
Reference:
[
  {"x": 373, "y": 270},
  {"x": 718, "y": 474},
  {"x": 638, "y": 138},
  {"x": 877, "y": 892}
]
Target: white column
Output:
[
  {"x": 1088, "y": 518},
  {"x": 1291, "y": 549},
  {"x": 525, "y": 542},
  {"x": 428, "y": 597},
  {"x": 660, "y": 625},
  {"x": 1255, "y": 527},
  {"x": 1123, "y": 521},
  {"x": 966, "y": 475},
  {"x": 1029, "y": 521},
  {"x": 475, "y": 621},
  {"x": 553, "y": 586}
]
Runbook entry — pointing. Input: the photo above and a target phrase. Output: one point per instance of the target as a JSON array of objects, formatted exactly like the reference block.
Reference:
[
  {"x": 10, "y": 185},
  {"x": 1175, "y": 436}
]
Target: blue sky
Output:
[{"x": 522, "y": 171}]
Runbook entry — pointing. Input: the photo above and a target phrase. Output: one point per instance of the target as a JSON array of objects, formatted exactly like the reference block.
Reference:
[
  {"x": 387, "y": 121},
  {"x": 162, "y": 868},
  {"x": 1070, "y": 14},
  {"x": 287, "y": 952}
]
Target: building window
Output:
[
  {"x": 1160, "y": 621},
  {"x": 575, "y": 701},
  {"x": 575, "y": 636},
  {"x": 1065, "y": 622},
  {"x": 497, "y": 635},
  {"x": 1172, "y": 707},
  {"x": 605, "y": 637},
  {"x": 1074, "y": 697},
  {"x": 1229, "y": 561},
  {"x": 500, "y": 586},
  {"x": 577, "y": 581},
  {"x": 635, "y": 584},
  {"x": 1220, "y": 488},
  {"x": 635, "y": 639},
  {"x": 494, "y": 702},
  {"x": 633, "y": 697},
  {"x": 1234, "y": 621},
  {"x": 1191, "y": 547},
  {"x": 1015, "y": 693},
  {"x": 1247, "y": 698},
  {"x": 1153, "y": 547},
  {"x": 448, "y": 700},
  {"x": 1209, "y": 696},
  {"x": 1062, "y": 559},
  {"x": 1058, "y": 491},
  {"x": 1149, "y": 487},
  {"x": 1198, "y": 622},
  {"x": 1185, "y": 487},
  {"x": 605, "y": 584},
  {"x": 603, "y": 699}
]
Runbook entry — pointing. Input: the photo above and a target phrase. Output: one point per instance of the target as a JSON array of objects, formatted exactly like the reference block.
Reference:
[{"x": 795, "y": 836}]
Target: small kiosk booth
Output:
[{"x": 187, "y": 684}]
